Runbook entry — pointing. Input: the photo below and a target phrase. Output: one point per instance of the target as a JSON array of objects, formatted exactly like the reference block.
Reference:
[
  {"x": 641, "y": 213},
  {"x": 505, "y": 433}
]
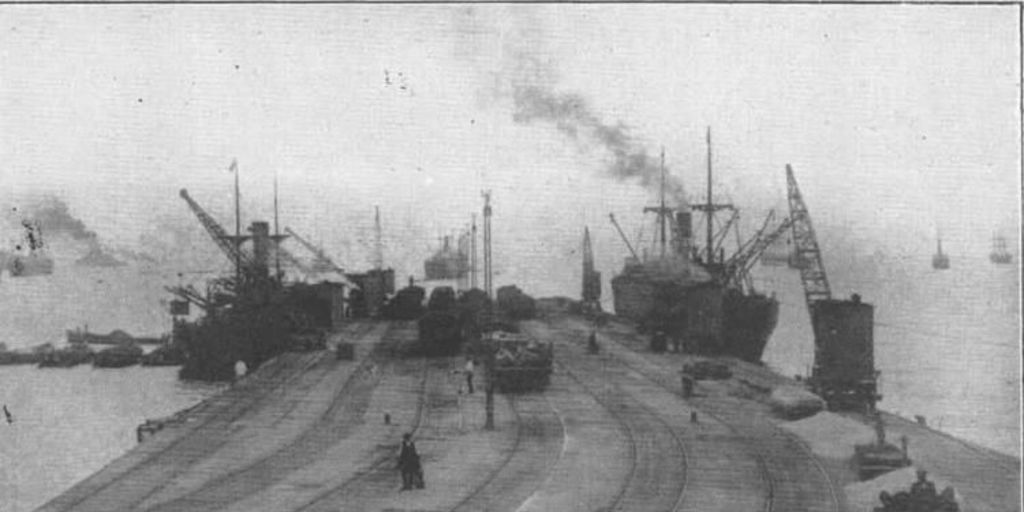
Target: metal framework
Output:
[
  {"x": 230, "y": 245},
  {"x": 812, "y": 271}
]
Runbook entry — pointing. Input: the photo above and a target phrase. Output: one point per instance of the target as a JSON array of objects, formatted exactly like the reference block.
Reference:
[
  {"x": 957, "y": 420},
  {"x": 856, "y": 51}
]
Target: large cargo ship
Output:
[
  {"x": 447, "y": 263},
  {"x": 696, "y": 295}
]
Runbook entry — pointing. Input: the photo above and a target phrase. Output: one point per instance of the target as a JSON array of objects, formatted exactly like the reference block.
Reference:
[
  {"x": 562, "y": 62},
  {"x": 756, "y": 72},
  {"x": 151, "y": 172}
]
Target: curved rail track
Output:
[{"x": 793, "y": 478}]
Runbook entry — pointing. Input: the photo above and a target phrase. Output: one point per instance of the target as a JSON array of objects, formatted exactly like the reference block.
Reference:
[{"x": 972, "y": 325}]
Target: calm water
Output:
[{"x": 947, "y": 344}]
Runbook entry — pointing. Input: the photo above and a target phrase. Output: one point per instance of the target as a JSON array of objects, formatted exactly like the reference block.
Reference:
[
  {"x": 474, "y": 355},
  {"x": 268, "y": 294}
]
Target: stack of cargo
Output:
[
  {"x": 516, "y": 304},
  {"x": 521, "y": 363},
  {"x": 407, "y": 304},
  {"x": 441, "y": 328}
]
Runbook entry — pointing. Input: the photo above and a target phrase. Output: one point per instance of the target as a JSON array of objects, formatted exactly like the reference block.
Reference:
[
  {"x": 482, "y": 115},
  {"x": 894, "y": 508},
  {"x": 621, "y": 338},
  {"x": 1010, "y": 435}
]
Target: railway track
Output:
[
  {"x": 382, "y": 467},
  {"x": 793, "y": 478},
  {"x": 336, "y": 422},
  {"x": 176, "y": 456},
  {"x": 658, "y": 472}
]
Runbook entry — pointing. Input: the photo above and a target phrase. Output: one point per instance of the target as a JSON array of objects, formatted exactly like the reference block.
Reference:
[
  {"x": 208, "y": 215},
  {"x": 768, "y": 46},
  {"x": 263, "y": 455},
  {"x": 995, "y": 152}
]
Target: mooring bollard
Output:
[{"x": 387, "y": 418}]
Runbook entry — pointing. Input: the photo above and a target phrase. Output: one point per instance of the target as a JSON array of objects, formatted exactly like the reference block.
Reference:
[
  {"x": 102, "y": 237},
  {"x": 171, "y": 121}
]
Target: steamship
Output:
[
  {"x": 696, "y": 295},
  {"x": 447, "y": 263}
]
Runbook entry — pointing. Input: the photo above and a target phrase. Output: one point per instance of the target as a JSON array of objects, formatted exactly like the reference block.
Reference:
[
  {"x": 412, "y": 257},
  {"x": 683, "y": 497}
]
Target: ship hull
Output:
[{"x": 709, "y": 319}]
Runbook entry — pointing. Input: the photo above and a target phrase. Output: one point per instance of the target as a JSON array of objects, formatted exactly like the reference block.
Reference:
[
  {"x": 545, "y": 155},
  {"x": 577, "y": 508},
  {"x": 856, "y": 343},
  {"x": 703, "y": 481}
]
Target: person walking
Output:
[
  {"x": 469, "y": 374},
  {"x": 409, "y": 464}
]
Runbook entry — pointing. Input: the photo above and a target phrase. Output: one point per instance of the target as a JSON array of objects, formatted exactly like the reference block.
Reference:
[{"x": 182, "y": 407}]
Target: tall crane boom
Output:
[
  {"x": 740, "y": 264},
  {"x": 812, "y": 272},
  {"x": 230, "y": 245},
  {"x": 321, "y": 258}
]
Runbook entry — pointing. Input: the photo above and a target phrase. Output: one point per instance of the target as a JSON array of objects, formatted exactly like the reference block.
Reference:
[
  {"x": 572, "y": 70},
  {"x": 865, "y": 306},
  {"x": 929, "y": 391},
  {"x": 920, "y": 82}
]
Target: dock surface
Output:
[{"x": 307, "y": 432}]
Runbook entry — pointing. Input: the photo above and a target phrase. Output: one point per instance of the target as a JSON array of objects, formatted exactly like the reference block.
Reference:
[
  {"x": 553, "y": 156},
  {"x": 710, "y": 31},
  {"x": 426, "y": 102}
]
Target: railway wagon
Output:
[
  {"x": 521, "y": 363},
  {"x": 440, "y": 333}
]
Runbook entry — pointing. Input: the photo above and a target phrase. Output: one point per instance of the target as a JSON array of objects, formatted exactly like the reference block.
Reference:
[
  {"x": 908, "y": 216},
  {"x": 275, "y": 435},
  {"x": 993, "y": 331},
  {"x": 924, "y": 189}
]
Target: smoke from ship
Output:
[{"x": 526, "y": 76}]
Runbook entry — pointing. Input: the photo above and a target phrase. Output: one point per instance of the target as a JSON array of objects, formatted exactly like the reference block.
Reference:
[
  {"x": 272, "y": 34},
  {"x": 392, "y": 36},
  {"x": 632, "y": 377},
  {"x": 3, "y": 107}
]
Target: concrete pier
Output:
[{"x": 613, "y": 431}]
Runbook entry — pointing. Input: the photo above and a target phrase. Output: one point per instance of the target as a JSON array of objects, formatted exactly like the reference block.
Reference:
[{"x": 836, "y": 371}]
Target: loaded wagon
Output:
[{"x": 521, "y": 363}]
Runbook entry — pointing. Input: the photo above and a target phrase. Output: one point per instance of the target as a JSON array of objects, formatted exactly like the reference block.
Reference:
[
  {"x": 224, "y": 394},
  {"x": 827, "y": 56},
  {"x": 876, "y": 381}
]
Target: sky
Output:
[{"x": 899, "y": 121}]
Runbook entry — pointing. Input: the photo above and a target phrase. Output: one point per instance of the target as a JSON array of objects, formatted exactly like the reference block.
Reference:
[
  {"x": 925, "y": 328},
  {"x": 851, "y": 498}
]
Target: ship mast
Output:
[
  {"x": 710, "y": 246},
  {"x": 662, "y": 213},
  {"x": 710, "y": 208}
]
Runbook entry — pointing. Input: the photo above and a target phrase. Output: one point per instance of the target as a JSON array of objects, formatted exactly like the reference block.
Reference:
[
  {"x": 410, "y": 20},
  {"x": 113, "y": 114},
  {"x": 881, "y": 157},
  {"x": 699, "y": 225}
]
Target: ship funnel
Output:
[
  {"x": 260, "y": 246},
  {"x": 683, "y": 236}
]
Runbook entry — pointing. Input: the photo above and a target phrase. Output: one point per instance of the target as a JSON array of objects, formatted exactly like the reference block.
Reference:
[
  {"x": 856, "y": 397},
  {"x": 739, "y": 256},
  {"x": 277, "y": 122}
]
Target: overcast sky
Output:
[{"x": 899, "y": 120}]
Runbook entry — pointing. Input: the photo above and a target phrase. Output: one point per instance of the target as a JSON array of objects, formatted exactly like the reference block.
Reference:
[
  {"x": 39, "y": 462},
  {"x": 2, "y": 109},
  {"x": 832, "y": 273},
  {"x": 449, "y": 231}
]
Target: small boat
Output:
[
  {"x": 940, "y": 261},
  {"x": 73, "y": 355},
  {"x": 1000, "y": 255},
  {"x": 118, "y": 357}
]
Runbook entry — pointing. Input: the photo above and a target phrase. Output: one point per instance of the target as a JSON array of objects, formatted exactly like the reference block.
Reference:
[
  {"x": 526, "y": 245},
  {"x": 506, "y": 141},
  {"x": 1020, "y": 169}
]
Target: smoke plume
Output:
[
  {"x": 511, "y": 46},
  {"x": 572, "y": 116},
  {"x": 51, "y": 216}
]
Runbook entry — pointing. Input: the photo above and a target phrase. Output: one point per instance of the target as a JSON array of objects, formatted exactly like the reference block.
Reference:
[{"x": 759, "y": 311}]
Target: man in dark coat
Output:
[{"x": 409, "y": 464}]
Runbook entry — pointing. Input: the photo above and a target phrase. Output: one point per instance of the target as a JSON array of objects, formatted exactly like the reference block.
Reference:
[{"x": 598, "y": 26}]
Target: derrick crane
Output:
[
  {"x": 591, "y": 278},
  {"x": 623, "y": 235},
  {"x": 812, "y": 272},
  {"x": 844, "y": 367},
  {"x": 322, "y": 260},
  {"x": 230, "y": 245},
  {"x": 739, "y": 264}
]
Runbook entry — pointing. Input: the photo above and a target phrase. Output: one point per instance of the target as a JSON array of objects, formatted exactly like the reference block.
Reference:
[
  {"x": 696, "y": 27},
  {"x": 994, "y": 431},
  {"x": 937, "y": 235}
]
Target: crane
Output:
[
  {"x": 739, "y": 265},
  {"x": 812, "y": 272},
  {"x": 844, "y": 370},
  {"x": 322, "y": 262},
  {"x": 230, "y": 245},
  {"x": 623, "y": 235}
]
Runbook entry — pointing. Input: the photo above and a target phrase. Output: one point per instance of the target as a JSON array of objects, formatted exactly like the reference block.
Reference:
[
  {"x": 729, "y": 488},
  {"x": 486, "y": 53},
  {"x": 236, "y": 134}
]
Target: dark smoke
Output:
[
  {"x": 572, "y": 116},
  {"x": 51, "y": 215}
]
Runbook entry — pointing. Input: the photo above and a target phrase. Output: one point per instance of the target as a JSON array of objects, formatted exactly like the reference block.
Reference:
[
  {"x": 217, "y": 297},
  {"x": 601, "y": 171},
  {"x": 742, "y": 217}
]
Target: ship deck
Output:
[{"x": 307, "y": 432}]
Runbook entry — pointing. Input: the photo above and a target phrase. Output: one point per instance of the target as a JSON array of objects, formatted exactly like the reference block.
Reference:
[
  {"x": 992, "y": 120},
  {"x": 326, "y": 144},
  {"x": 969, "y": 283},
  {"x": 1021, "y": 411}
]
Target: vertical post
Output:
[
  {"x": 378, "y": 245},
  {"x": 472, "y": 254},
  {"x": 711, "y": 209},
  {"x": 238, "y": 227},
  {"x": 661, "y": 211},
  {"x": 489, "y": 391},
  {"x": 488, "y": 283},
  {"x": 277, "y": 235}
]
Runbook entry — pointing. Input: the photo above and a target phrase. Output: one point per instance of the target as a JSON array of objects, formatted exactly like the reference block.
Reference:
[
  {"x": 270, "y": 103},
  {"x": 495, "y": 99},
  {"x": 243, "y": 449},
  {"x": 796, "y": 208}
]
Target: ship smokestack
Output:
[
  {"x": 260, "y": 247},
  {"x": 684, "y": 233}
]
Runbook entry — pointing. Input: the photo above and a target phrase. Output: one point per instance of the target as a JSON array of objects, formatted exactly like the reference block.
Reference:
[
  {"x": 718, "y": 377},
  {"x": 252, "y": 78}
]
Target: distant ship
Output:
[
  {"x": 447, "y": 263},
  {"x": 35, "y": 263},
  {"x": 999, "y": 254},
  {"x": 697, "y": 296},
  {"x": 940, "y": 261},
  {"x": 30, "y": 257}
]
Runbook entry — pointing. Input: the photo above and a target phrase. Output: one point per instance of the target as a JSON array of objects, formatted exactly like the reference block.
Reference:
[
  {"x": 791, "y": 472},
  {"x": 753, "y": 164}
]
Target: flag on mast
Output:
[{"x": 234, "y": 166}]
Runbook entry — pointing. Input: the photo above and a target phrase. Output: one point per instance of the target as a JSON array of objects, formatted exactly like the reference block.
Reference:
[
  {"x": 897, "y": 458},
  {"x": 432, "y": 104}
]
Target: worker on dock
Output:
[
  {"x": 470, "y": 366},
  {"x": 409, "y": 464}
]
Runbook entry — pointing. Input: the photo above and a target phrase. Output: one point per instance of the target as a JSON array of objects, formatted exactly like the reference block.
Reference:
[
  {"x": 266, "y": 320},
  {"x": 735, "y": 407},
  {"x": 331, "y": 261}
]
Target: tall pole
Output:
[
  {"x": 489, "y": 348},
  {"x": 378, "y": 246},
  {"x": 238, "y": 227},
  {"x": 710, "y": 219},
  {"x": 488, "y": 283},
  {"x": 472, "y": 254},
  {"x": 277, "y": 234},
  {"x": 661, "y": 212}
]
